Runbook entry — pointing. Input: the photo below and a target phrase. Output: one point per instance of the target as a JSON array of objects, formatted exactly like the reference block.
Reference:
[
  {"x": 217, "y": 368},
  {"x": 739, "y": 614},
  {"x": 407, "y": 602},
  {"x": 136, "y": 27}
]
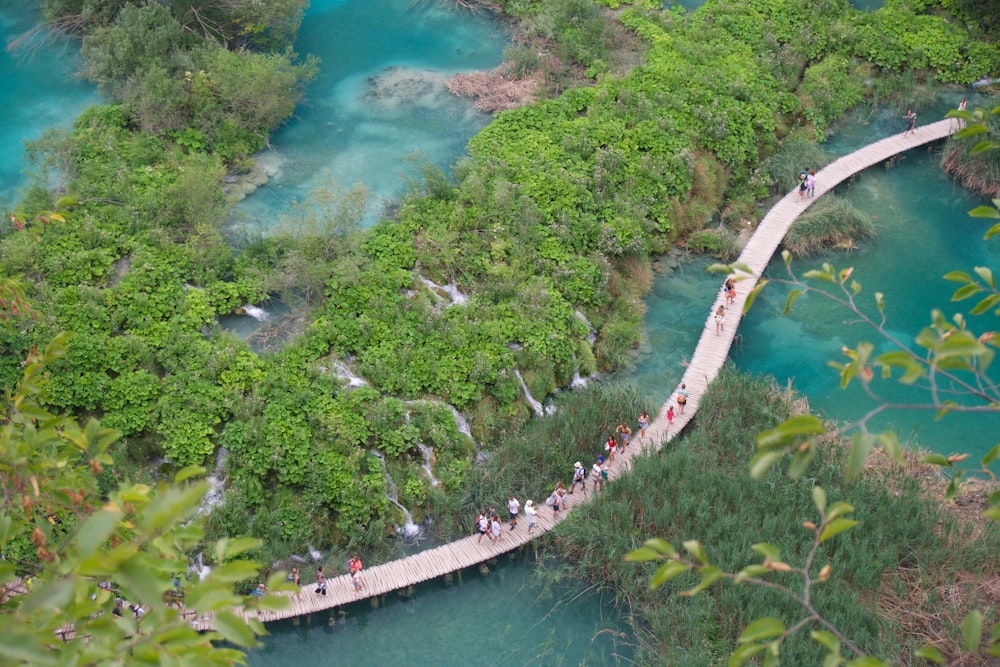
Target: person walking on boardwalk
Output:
[
  {"x": 555, "y": 501},
  {"x": 670, "y": 416},
  {"x": 579, "y": 472},
  {"x": 320, "y": 581},
  {"x": 293, "y": 578},
  {"x": 496, "y": 531},
  {"x": 682, "y": 398},
  {"x": 810, "y": 185},
  {"x": 531, "y": 513},
  {"x": 610, "y": 447},
  {"x": 625, "y": 434},
  {"x": 513, "y": 508},
  {"x": 729, "y": 290},
  {"x": 483, "y": 524},
  {"x": 595, "y": 474},
  {"x": 643, "y": 424},
  {"x": 354, "y": 565},
  {"x": 911, "y": 117},
  {"x": 720, "y": 319},
  {"x": 803, "y": 175}
]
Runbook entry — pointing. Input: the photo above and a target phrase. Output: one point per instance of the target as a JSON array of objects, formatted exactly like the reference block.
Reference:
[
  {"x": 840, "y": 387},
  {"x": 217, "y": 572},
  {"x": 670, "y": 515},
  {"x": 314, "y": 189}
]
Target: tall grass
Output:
[
  {"x": 699, "y": 488},
  {"x": 528, "y": 463},
  {"x": 832, "y": 222}
]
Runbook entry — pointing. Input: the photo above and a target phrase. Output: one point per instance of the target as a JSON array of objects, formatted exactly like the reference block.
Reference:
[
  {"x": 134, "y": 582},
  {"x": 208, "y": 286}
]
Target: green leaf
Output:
[
  {"x": 958, "y": 277},
  {"x": 709, "y": 575},
  {"x": 991, "y": 232},
  {"x": 827, "y": 639},
  {"x": 965, "y": 291},
  {"x": 762, "y": 628},
  {"x": 836, "y": 527},
  {"x": 751, "y": 572},
  {"x": 52, "y": 595},
  {"x": 743, "y": 654},
  {"x": 666, "y": 572},
  {"x": 839, "y": 508},
  {"x": 762, "y": 462},
  {"x": 752, "y": 296},
  {"x": 861, "y": 447},
  {"x": 991, "y": 455},
  {"x": 788, "y": 430},
  {"x": 767, "y": 550},
  {"x": 188, "y": 472},
  {"x": 972, "y": 630},
  {"x": 662, "y": 546},
  {"x": 889, "y": 441},
  {"x": 694, "y": 548},
  {"x": 819, "y": 499},
  {"x": 642, "y": 554},
  {"x": 792, "y": 296},
  {"x": 930, "y": 653},
  {"x": 234, "y": 629},
  {"x": 936, "y": 459},
  {"x": 987, "y": 275},
  {"x": 867, "y": 661},
  {"x": 984, "y": 212},
  {"x": 801, "y": 461},
  {"x": 95, "y": 530},
  {"x": 240, "y": 545}
]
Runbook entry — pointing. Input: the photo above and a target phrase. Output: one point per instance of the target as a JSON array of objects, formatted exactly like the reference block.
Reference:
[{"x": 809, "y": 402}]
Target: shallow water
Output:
[
  {"x": 498, "y": 618},
  {"x": 358, "y": 131},
  {"x": 40, "y": 92},
  {"x": 924, "y": 232}
]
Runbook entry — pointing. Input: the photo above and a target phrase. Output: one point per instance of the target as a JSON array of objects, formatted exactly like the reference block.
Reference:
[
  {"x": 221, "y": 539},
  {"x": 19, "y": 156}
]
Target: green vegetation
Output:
[
  {"x": 700, "y": 488},
  {"x": 555, "y": 213},
  {"x": 832, "y": 222}
]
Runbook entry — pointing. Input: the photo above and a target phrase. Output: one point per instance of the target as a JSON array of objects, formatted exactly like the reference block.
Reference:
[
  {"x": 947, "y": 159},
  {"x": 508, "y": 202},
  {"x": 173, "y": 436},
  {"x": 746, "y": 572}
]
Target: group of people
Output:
[
  {"x": 488, "y": 523},
  {"x": 353, "y": 565},
  {"x": 807, "y": 183}
]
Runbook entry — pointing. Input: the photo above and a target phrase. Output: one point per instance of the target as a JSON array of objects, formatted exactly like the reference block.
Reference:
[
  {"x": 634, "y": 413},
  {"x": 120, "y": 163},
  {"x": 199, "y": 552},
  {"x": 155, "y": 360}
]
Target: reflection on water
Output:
[
  {"x": 501, "y": 618},
  {"x": 378, "y": 102}
]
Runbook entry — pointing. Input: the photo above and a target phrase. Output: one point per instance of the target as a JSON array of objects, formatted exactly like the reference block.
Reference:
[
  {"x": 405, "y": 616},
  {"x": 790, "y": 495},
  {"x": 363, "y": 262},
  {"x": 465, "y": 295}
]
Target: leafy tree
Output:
[{"x": 70, "y": 552}]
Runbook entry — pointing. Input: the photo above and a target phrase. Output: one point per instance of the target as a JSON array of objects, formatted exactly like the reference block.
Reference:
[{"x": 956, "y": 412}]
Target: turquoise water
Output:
[
  {"x": 379, "y": 100},
  {"x": 504, "y": 617},
  {"x": 924, "y": 232},
  {"x": 40, "y": 92}
]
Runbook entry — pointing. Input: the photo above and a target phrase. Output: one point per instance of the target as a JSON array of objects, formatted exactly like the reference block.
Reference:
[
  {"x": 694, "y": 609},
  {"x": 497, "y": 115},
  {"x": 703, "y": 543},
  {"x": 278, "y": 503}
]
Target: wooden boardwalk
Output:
[{"x": 709, "y": 357}]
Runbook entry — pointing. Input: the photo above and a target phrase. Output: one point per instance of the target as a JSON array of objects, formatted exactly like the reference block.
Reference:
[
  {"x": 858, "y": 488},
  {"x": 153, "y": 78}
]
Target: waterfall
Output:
[
  {"x": 216, "y": 494},
  {"x": 428, "y": 453},
  {"x": 578, "y": 382},
  {"x": 461, "y": 425},
  {"x": 255, "y": 312},
  {"x": 345, "y": 373},
  {"x": 409, "y": 529},
  {"x": 591, "y": 334},
  {"x": 451, "y": 289},
  {"x": 532, "y": 401},
  {"x": 315, "y": 554},
  {"x": 199, "y": 567}
]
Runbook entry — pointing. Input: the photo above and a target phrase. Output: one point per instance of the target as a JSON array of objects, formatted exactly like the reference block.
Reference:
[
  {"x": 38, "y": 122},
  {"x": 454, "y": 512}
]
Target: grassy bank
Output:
[{"x": 699, "y": 488}]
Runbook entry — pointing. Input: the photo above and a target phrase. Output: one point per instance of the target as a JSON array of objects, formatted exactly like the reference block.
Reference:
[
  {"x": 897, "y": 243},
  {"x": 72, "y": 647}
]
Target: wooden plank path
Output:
[{"x": 706, "y": 362}]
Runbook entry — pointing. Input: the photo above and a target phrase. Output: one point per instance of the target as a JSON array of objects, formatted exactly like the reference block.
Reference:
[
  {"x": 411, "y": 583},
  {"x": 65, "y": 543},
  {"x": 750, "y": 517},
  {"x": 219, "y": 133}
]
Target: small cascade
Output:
[
  {"x": 591, "y": 333},
  {"x": 315, "y": 554},
  {"x": 451, "y": 289},
  {"x": 578, "y": 382},
  {"x": 199, "y": 568},
  {"x": 216, "y": 494},
  {"x": 428, "y": 453},
  {"x": 255, "y": 312},
  {"x": 345, "y": 373},
  {"x": 532, "y": 401},
  {"x": 409, "y": 530},
  {"x": 461, "y": 425}
]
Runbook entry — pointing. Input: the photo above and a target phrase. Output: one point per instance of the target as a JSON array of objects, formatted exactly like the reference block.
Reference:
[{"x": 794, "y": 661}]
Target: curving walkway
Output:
[{"x": 708, "y": 359}]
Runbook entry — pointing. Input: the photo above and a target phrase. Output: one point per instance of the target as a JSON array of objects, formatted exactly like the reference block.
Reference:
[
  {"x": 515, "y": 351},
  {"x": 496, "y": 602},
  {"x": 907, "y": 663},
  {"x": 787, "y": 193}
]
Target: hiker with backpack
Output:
[{"x": 579, "y": 477}]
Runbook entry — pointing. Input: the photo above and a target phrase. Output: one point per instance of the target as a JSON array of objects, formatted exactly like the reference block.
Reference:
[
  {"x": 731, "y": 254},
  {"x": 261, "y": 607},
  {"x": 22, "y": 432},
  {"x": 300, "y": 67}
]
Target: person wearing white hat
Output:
[
  {"x": 579, "y": 474},
  {"x": 531, "y": 513}
]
